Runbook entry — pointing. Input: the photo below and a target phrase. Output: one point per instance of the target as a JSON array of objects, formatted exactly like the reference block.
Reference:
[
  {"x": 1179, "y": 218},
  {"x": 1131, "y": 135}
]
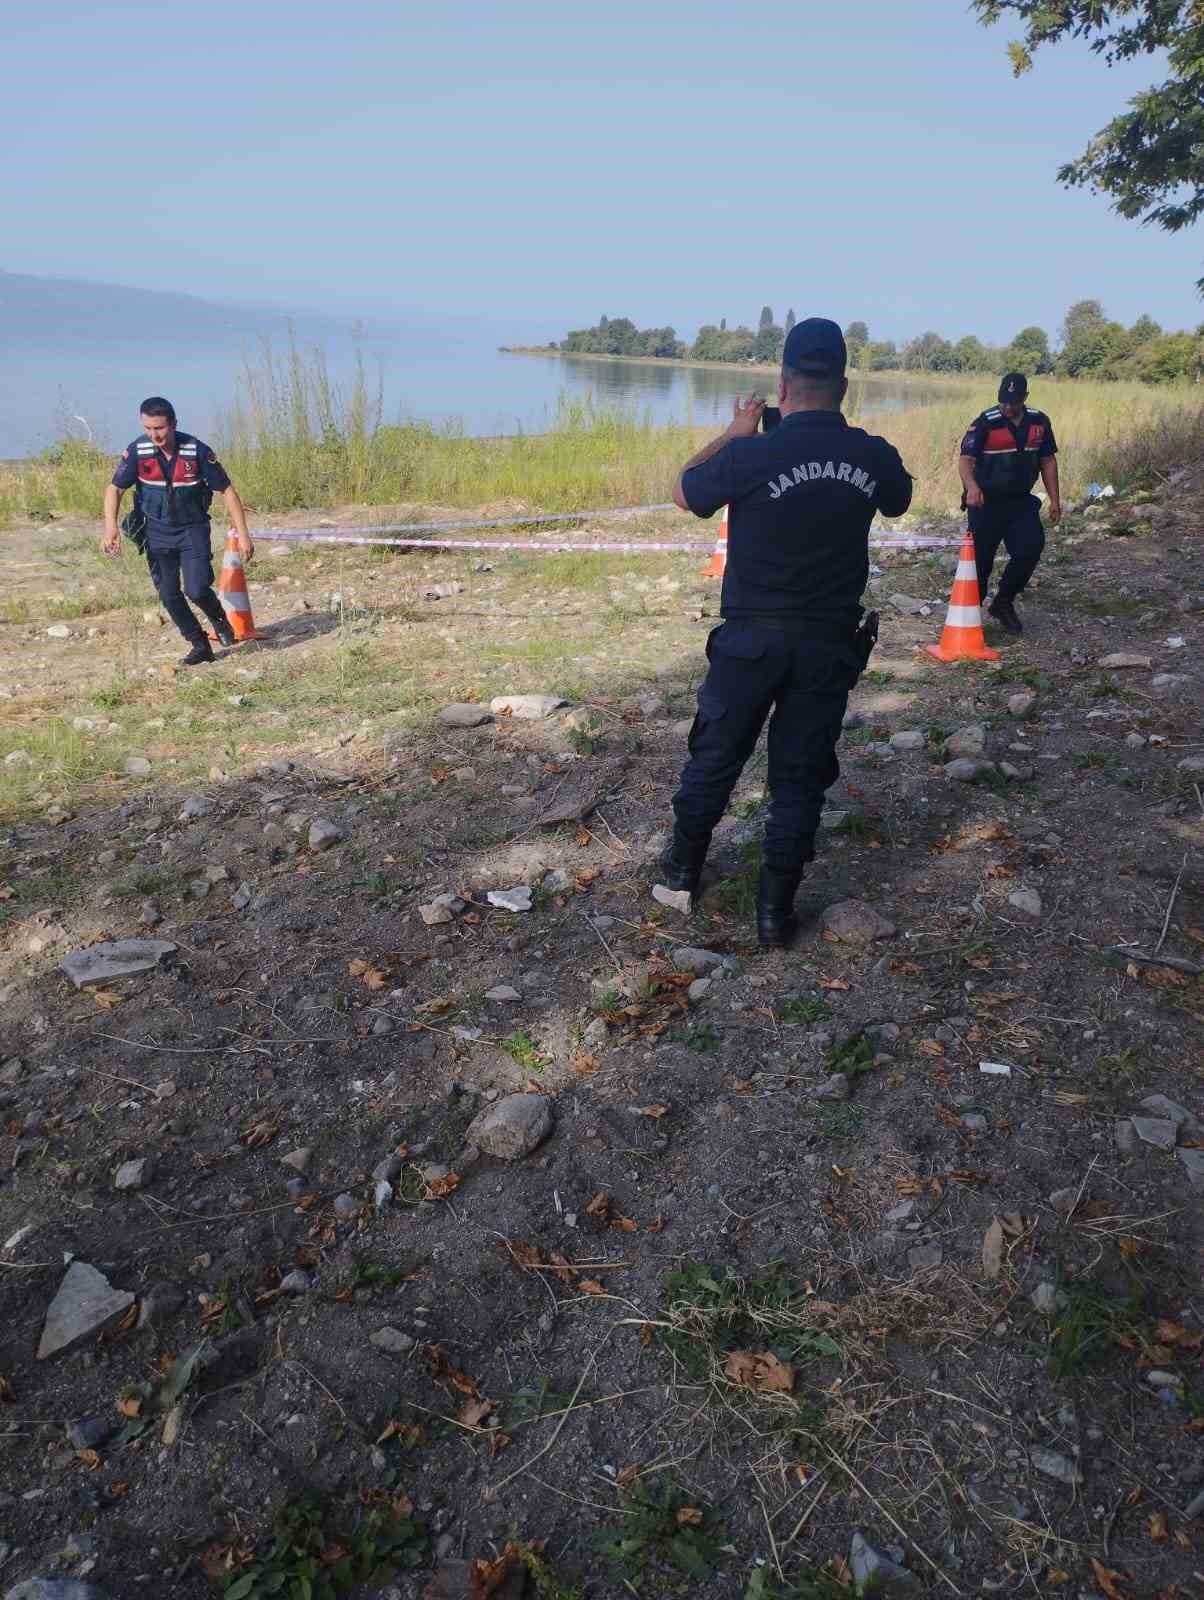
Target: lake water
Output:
[{"x": 64, "y": 382}]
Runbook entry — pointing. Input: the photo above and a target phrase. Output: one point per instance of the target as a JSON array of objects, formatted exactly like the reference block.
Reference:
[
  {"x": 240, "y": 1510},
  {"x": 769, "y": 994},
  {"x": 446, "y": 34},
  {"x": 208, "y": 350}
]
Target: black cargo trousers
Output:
[{"x": 803, "y": 674}]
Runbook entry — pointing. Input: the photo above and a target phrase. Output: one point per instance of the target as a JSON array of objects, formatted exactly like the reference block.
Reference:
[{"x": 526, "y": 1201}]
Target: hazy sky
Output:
[{"x": 673, "y": 162}]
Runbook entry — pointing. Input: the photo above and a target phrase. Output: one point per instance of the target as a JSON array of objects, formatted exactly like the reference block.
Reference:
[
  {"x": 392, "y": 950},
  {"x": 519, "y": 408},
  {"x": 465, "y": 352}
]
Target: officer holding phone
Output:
[{"x": 801, "y": 499}]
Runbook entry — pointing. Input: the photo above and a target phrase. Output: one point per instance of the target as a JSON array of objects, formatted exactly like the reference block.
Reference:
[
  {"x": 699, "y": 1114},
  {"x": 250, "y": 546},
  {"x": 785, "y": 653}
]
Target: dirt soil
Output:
[{"x": 734, "y": 1308}]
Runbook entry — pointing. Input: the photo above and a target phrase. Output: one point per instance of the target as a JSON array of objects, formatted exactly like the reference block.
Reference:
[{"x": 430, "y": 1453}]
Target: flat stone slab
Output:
[
  {"x": 516, "y": 899},
  {"x": 1193, "y": 1160},
  {"x": 1161, "y": 1132},
  {"x": 1124, "y": 658},
  {"x": 853, "y": 922},
  {"x": 115, "y": 958},
  {"x": 85, "y": 1305},
  {"x": 464, "y": 716},
  {"x": 676, "y": 899},
  {"x": 526, "y": 707}
]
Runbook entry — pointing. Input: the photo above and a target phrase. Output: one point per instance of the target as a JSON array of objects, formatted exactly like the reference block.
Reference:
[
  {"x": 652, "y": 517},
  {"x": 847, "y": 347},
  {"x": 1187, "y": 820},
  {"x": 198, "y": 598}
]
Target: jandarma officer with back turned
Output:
[
  {"x": 1003, "y": 452},
  {"x": 801, "y": 498},
  {"x": 174, "y": 476}
]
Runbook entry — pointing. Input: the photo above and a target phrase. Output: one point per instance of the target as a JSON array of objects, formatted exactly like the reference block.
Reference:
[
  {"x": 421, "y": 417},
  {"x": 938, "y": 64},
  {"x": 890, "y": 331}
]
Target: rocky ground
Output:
[{"x": 420, "y": 1208}]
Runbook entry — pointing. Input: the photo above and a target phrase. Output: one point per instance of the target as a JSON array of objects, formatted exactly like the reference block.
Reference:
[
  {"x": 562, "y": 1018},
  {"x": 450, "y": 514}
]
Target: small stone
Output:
[
  {"x": 346, "y": 1206},
  {"x": 851, "y": 719},
  {"x": 676, "y": 899},
  {"x": 964, "y": 770},
  {"x": 1123, "y": 658},
  {"x": 1135, "y": 741},
  {"x": 907, "y": 604},
  {"x": 1161, "y": 1132},
  {"x": 382, "y": 1025},
  {"x": 1026, "y": 900},
  {"x": 1123, "y": 1134},
  {"x": 392, "y": 1341},
  {"x": 137, "y": 766},
  {"x": 526, "y": 707},
  {"x": 1018, "y": 773},
  {"x": 85, "y": 1305},
  {"x": 883, "y": 1033},
  {"x": 925, "y": 1255},
  {"x": 1159, "y": 1106},
  {"x": 975, "y": 1121},
  {"x": 512, "y": 1127},
  {"x": 149, "y": 914},
  {"x": 56, "y": 1589},
  {"x": 854, "y": 922},
  {"x": 1063, "y": 1200},
  {"x": 195, "y": 806},
  {"x": 1158, "y": 1379},
  {"x": 970, "y": 741},
  {"x": 296, "y": 1282},
  {"x": 995, "y": 1069},
  {"x": 382, "y": 1194},
  {"x": 116, "y": 958},
  {"x": 834, "y": 1088},
  {"x": 18, "y": 758},
  {"x": 516, "y": 899},
  {"x": 903, "y": 1212},
  {"x": 134, "y": 1174},
  {"x": 323, "y": 834},
  {"x": 1193, "y": 1160},
  {"x": 298, "y": 1160},
  {"x": 58, "y": 630},
  {"x": 698, "y": 990},
  {"x": 1045, "y": 1298},
  {"x": 504, "y": 993},
  {"x": 435, "y": 915},
  {"x": 686, "y": 958},
  {"x": 1054, "y": 1465},
  {"x": 1022, "y": 704},
  {"x": 874, "y": 1573},
  {"x": 907, "y": 739},
  {"x": 388, "y": 1170},
  {"x": 596, "y": 1033},
  {"x": 461, "y": 715},
  {"x": 91, "y": 1433},
  {"x": 1192, "y": 765}
]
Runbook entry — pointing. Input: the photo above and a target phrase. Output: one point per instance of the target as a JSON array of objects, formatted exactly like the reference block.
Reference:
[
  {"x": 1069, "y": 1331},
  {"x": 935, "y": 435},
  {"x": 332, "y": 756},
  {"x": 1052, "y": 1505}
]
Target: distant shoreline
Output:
[{"x": 895, "y": 374}]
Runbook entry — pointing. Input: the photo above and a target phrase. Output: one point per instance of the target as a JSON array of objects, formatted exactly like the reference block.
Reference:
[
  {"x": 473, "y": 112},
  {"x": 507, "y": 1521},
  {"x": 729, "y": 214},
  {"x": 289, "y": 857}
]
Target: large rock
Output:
[
  {"x": 1021, "y": 704},
  {"x": 969, "y": 741},
  {"x": 464, "y": 716},
  {"x": 134, "y": 1174},
  {"x": 525, "y": 707},
  {"x": 115, "y": 958},
  {"x": 1193, "y": 1160},
  {"x": 686, "y": 958},
  {"x": 1161, "y": 1132},
  {"x": 1123, "y": 658},
  {"x": 323, "y": 834},
  {"x": 853, "y": 922},
  {"x": 965, "y": 769},
  {"x": 1159, "y": 1106},
  {"x": 907, "y": 739},
  {"x": 1026, "y": 900},
  {"x": 85, "y": 1305},
  {"x": 512, "y": 1127}
]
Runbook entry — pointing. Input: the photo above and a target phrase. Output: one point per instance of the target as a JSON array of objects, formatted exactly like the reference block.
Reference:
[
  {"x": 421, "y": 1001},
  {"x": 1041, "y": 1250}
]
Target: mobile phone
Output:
[{"x": 770, "y": 417}]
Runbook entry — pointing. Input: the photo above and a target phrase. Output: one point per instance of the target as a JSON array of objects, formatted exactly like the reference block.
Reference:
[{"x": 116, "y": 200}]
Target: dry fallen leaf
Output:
[
  {"x": 440, "y": 1188},
  {"x": 564, "y": 1267},
  {"x": 443, "y": 1371},
  {"x": 6, "y": 1391},
  {"x": 599, "y": 1206},
  {"x": 626, "y": 1224},
  {"x": 1109, "y": 1581},
  {"x": 107, "y": 999},
  {"x": 407, "y": 1432},
  {"x": 688, "y": 1516},
  {"x": 89, "y": 1458},
  {"x": 834, "y": 983},
  {"x": 930, "y": 1047},
  {"x": 626, "y": 1476},
  {"x": 1157, "y": 1526},
  {"x": 591, "y": 1286},
  {"x": 992, "y": 1250},
  {"x": 130, "y": 1408},
  {"x": 473, "y": 1414},
  {"x": 764, "y": 1373},
  {"x": 485, "y": 1578},
  {"x": 257, "y": 1134},
  {"x": 650, "y": 1111}
]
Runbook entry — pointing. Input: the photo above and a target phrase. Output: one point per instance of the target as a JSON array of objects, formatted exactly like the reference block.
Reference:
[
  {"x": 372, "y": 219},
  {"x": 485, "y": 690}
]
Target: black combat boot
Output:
[
  {"x": 682, "y": 862},
  {"x": 201, "y": 651},
  {"x": 776, "y": 889},
  {"x": 1004, "y": 612},
  {"x": 224, "y": 632}
]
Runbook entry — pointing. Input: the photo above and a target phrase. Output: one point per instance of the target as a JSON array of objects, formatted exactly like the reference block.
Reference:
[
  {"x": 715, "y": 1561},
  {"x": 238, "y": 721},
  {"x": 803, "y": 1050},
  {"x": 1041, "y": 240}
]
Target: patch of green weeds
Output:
[
  {"x": 753, "y": 805},
  {"x": 534, "y": 1401},
  {"x": 662, "y": 1527},
  {"x": 524, "y": 1052},
  {"x": 586, "y": 739},
  {"x": 701, "y": 1037},
  {"x": 856, "y": 825},
  {"x": 852, "y": 1056},
  {"x": 548, "y": 1585},
  {"x": 879, "y": 677},
  {"x": 711, "y": 1310},
  {"x": 860, "y": 735},
  {"x": 608, "y": 1002},
  {"x": 811, "y": 1583},
  {"x": 367, "y": 1274},
  {"x": 1031, "y": 677},
  {"x": 1091, "y": 1323},
  {"x": 836, "y": 1121},
  {"x": 312, "y": 1558},
  {"x": 375, "y": 883},
  {"x": 803, "y": 1008},
  {"x": 1096, "y": 761}
]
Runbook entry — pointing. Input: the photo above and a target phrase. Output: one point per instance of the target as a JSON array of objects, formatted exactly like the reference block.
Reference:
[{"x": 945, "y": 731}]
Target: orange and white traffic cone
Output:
[
  {"x": 717, "y": 565},
  {"x": 232, "y": 591},
  {"x": 962, "y": 637}
]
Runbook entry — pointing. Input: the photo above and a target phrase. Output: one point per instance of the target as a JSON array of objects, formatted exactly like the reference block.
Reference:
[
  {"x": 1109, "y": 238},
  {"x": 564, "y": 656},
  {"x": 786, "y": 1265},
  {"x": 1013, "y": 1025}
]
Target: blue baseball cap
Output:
[{"x": 816, "y": 346}]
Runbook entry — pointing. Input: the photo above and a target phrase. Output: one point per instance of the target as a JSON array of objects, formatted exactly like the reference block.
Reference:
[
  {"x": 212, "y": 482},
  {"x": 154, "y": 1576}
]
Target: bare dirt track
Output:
[{"x": 789, "y": 1265}]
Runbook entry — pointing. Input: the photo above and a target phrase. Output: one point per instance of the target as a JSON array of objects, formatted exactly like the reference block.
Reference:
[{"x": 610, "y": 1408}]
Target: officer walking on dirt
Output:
[
  {"x": 801, "y": 498},
  {"x": 1002, "y": 454},
  {"x": 174, "y": 477}
]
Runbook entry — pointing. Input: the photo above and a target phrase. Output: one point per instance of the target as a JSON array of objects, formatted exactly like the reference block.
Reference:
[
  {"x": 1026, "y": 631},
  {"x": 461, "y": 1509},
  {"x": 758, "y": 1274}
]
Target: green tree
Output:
[
  {"x": 766, "y": 320},
  {"x": 1083, "y": 317},
  {"x": 790, "y": 320},
  {"x": 1028, "y": 352},
  {"x": 856, "y": 337},
  {"x": 884, "y": 356},
  {"x": 770, "y": 339},
  {"x": 925, "y": 353},
  {"x": 1150, "y": 158},
  {"x": 1143, "y": 330},
  {"x": 968, "y": 355}
]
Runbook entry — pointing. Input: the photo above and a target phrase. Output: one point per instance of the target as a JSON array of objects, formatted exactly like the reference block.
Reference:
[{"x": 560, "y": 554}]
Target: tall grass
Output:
[{"x": 297, "y": 441}]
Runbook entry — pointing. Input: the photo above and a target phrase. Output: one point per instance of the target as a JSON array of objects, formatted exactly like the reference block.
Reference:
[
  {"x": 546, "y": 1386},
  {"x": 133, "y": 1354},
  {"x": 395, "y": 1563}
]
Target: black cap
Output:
[
  {"x": 816, "y": 346},
  {"x": 1013, "y": 387}
]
